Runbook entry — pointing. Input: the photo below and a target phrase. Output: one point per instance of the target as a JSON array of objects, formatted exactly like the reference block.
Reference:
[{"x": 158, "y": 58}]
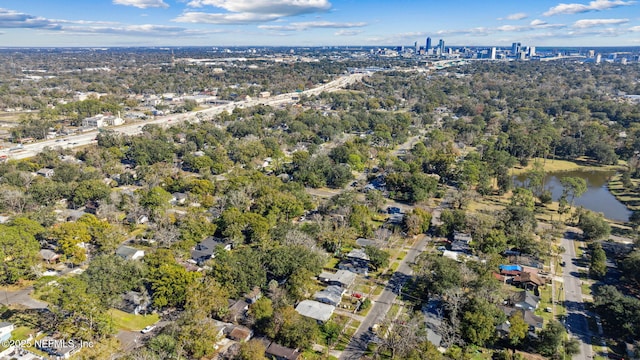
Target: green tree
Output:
[
  {"x": 479, "y": 321},
  {"x": 90, "y": 190},
  {"x": 79, "y": 313},
  {"x": 379, "y": 259},
  {"x": 551, "y": 338},
  {"x": 598, "y": 266},
  {"x": 252, "y": 350},
  {"x": 494, "y": 242},
  {"x": 155, "y": 199},
  {"x": 593, "y": 225},
  {"x": 71, "y": 238},
  {"x": 111, "y": 276},
  {"x": 573, "y": 187},
  {"x": 19, "y": 251},
  {"x": 518, "y": 329},
  {"x": 169, "y": 281}
]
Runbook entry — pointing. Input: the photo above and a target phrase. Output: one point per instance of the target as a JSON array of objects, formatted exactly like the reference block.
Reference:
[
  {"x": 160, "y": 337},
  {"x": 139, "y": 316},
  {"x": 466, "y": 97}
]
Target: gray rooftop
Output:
[
  {"x": 315, "y": 310},
  {"x": 344, "y": 277},
  {"x": 332, "y": 295},
  {"x": 358, "y": 254}
]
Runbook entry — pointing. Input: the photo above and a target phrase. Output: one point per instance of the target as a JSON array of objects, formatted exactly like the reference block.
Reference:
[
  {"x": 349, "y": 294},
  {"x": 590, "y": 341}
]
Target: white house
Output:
[{"x": 5, "y": 330}]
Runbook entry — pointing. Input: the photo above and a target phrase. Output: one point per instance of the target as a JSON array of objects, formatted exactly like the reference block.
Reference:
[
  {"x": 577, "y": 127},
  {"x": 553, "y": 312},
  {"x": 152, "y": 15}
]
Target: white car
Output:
[{"x": 148, "y": 329}]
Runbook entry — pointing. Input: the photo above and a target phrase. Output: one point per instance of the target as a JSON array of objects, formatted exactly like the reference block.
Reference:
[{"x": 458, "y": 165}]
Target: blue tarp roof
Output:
[{"x": 511, "y": 267}]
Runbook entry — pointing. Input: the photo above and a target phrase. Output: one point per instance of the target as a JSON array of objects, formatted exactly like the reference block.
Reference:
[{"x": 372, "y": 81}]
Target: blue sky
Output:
[{"x": 318, "y": 22}]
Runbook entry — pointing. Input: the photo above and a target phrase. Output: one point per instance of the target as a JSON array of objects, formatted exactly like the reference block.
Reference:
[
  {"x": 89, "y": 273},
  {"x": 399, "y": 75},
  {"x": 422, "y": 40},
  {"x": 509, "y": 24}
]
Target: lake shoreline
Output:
[{"x": 631, "y": 199}]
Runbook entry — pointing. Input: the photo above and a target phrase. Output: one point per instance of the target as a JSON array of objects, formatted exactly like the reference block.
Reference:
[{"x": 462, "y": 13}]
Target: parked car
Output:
[{"x": 148, "y": 329}]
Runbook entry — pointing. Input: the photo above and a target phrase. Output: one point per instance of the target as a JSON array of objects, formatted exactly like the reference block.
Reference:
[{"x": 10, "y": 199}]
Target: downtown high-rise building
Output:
[
  {"x": 428, "y": 45},
  {"x": 493, "y": 53},
  {"x": 515, "y": 48},
  {"x": 441, "y": 47}
]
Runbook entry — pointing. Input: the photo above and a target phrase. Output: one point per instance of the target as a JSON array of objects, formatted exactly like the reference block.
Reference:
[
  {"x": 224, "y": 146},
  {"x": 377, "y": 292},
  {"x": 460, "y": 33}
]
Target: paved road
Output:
[
  {"x": 358, "y": 344},
  {"x": 576, "y": 321},
  {"x": 86, "y": 138},
  {"x": 21, "y": 297}
]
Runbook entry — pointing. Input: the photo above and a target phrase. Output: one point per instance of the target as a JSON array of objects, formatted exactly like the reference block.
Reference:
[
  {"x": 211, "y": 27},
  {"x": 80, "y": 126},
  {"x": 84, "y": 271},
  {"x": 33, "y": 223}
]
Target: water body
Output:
[{"x": 597, "y": 197}]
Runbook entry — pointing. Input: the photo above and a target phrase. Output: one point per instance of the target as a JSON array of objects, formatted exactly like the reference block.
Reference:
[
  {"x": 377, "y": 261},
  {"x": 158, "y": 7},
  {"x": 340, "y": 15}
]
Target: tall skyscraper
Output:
[
  {"x": 515, "y": 48},
  {"x": 441, "y": 46},
  {"x": 493, "y": 53},
  {"x": 428, "y": 45},
  {"x": 532, "y": 51},
  {"x": 416, "y": 46}
]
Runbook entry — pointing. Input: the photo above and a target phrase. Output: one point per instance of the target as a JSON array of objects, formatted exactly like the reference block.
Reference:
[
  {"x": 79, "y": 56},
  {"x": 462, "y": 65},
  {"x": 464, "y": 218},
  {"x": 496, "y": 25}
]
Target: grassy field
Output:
[
  {"x": 124, "y": 321},
  {"x": 550, "y": 165},
  {"x": 631, "y": 198}
]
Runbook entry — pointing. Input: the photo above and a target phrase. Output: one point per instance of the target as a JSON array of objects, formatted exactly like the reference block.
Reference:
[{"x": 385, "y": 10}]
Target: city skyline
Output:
[{"x": 33, "y": 23}]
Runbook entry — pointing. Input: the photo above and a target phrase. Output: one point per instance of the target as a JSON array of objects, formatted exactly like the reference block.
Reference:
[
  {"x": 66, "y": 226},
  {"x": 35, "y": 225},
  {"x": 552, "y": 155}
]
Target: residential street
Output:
[
  {"x": 21, "y": 297},
  {"x": 358, "y": 344},
  {"x": 576, "y": 322}
]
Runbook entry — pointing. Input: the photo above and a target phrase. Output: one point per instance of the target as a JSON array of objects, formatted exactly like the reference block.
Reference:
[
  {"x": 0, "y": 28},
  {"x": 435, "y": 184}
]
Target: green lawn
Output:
[
  {"x": 22, "y": 333},
  {"x": 332, "y": 263},
  {"x": 124, "y": 321}
]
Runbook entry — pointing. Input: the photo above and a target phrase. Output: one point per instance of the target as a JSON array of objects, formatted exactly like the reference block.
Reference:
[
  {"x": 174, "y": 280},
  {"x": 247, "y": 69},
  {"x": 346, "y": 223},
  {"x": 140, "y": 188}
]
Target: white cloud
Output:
[
  {"x": 142, "y": 4},
  {"x": 596, "y": 5},
  {"x": 14, "y": 19},
  {"x": 516, "y": 16},
  {"x": 291, "y": 7},
  {"x": 250, "y": 11},
  {"x": 512, "y": 28},
  {"x": 344, "y": 32},
  {"x": 588, "y": 23},
  {"x": 635, "y": 28},
  {"x": 233, "y": 18},
  {"x": 297, "y": 26}
]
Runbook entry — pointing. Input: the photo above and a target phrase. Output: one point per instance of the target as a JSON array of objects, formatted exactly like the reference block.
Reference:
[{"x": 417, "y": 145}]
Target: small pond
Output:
[{"x": 597, "y": 197}]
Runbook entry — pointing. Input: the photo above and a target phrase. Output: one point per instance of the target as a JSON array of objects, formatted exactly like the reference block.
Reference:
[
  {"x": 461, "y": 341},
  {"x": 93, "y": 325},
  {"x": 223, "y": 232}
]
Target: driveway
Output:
[
  {"x": 358, "y": 344},
  {"x": 21, "y": 297},
  {"x": 576, "y": 321}
]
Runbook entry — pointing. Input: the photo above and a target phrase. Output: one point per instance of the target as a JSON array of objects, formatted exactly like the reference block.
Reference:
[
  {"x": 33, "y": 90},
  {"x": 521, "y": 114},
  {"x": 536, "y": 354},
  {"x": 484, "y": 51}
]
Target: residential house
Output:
[
  {"x": 362, "y": 242},
  {"x": 134, "y": 302},
  {"x": 205, "y": 250},
  {"x": 433, "y": 320},
  {"x": 342, "y": 278},
  {"x": 331, "y": 295},
  {"x": 46, "y": 172},
  {"x": 528, "y": 281},
  {"x": 315, "y": 310},
  {"x": 57, "y": 348},
  {"x": 461, "y": 242},
  {"x": 253, "y": 295},
  {"x": 240, "y": 333},
  {"x": 237, "y": 310},
  {"x": 525, "y": 300},
  {"x": 531, "y": 319},
  {"x": 354, "y": 267},
  {"x": 6, "y": 329},
  {"x": 178, "y": 198},
  {"x": 278, "y": 352},
  {"x": 129, "y": 253}
]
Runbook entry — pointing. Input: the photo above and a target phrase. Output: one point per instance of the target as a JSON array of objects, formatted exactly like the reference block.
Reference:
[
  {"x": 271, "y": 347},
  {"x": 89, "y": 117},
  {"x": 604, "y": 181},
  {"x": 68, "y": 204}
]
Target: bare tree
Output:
[
  {"x": 15, "y": 200},
  {"x": 297, "y": 237},
  {"x": 402, "y": 336}
]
